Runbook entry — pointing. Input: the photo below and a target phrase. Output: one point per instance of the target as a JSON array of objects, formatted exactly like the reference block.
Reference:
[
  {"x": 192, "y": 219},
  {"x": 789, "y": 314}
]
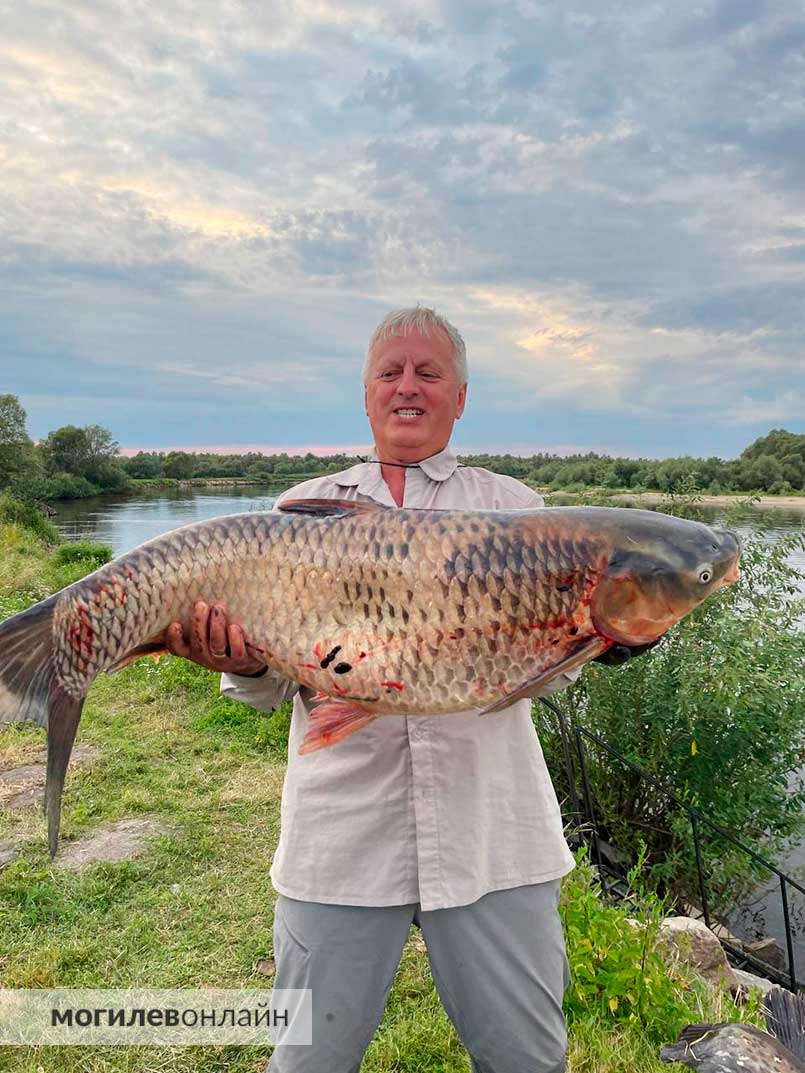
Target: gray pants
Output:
[{"x": 499, "y": 966}]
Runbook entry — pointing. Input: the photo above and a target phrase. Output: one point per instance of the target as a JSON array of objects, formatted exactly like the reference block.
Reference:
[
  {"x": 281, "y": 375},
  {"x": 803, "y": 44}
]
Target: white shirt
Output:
[{"x": 437, "y": 809}]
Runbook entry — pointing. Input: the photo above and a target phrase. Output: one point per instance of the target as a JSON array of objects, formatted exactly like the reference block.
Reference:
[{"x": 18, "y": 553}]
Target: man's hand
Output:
[
  {"x": 621, "y": 653},
  {"x": 213, "y": 643}
]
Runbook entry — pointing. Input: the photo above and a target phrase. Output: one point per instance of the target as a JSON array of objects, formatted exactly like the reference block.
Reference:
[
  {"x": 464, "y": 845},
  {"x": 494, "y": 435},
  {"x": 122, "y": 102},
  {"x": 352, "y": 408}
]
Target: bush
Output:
[
  {"x": 29, "y": 516},
  {"x": 67, "y": 486},
  {"x": 717, "y": 713},
  {"x": 82, "y": 550},
  {"x": 780, "y": 488},
  {"x": 618, "y": 970}
]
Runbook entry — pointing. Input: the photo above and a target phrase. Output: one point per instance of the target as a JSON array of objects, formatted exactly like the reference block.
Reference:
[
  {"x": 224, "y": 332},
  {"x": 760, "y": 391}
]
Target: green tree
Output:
[
  {"x": 67, "y": 450},
  {"x": 16, "y": 449},
  {"x": 87, "y": 454},
  {"x": 144, "y": 464},
  {"x": 179, "y": 465}
]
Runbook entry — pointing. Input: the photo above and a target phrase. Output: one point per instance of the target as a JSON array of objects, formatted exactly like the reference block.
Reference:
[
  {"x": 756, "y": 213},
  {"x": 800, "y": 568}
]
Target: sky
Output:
[{"x": 206, "y": 206}]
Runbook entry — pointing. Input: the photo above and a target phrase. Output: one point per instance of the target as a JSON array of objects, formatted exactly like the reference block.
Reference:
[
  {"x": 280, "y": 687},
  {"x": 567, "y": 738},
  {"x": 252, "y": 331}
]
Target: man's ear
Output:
[
  {"x": 462, "y": 399},
  {"x": 366, "y": 399}
]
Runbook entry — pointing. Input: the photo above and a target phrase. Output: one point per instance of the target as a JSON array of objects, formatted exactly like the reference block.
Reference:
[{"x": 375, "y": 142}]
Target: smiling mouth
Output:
[{"x": 409, "y": 411}]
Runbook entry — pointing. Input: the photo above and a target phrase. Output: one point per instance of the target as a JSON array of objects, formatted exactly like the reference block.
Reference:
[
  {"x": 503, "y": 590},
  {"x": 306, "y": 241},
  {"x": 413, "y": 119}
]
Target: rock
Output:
[
  {"x": 722, "y": 932},
  {"x": 731, "y": 1048},
  {"x": 120, "y": 841},
  {"x": 695, "y": 944},
  {"x": 24, "y": 786},
  {"x": 768, "y": 950},
  {"x": 265, "y": 966},
  {"x": 8, "y": 851},
  {"x": 747, "y": 980}
]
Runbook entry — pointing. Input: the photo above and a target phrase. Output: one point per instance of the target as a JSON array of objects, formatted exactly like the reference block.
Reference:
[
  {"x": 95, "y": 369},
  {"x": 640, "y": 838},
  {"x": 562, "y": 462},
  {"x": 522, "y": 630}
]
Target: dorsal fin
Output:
[{"x": 327, "y": 506}]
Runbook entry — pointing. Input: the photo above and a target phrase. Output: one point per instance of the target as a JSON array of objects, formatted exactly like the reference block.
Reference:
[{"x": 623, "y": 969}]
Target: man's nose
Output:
[{"x": 407, "y": 384}]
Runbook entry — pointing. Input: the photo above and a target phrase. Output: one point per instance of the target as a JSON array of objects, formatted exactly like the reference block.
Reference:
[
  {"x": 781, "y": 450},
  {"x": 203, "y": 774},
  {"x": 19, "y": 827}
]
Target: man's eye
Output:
[
  {"x": 386, "y": 374},
  {"x": 429, "y": 375}
]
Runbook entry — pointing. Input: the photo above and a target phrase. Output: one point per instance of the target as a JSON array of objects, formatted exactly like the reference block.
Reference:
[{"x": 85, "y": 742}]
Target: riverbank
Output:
[
  {"x": 766, "y": 502},
  {"x": 195, "y": 908},
  {"x": 145, "y": 485}
]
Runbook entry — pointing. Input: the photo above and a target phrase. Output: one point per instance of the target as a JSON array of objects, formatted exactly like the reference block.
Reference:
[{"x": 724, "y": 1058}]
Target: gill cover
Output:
[{"x": 632, "y": 602}]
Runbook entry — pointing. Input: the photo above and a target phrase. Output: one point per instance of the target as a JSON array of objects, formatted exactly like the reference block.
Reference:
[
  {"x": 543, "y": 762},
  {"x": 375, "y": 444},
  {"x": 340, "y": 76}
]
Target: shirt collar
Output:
[{"x": 438, "y": 468}]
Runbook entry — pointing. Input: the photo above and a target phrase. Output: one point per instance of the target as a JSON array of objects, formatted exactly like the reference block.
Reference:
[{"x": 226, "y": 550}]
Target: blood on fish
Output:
[
  {"x": 311, "y": 666},
  {"x": 394, "y": 685}
]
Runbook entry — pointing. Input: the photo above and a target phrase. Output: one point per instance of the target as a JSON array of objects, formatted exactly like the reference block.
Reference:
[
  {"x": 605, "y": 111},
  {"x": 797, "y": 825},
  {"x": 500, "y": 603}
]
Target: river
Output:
[{"x": 123, "y": 522}]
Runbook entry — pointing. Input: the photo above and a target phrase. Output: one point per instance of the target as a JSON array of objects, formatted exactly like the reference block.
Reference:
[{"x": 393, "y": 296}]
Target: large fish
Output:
[{"x": 380, "y": 611}]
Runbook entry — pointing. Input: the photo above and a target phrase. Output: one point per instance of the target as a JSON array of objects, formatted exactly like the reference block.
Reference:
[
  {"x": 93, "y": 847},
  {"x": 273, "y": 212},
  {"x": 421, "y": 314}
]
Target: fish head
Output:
[{"x": 658, "y": 572}]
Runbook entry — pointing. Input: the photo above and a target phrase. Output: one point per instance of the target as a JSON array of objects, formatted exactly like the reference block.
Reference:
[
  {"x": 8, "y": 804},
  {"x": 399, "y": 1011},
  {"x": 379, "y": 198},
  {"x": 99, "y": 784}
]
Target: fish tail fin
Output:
[
  {"x": 31, "y": 692},
  {"x": 65, "y": 712}
]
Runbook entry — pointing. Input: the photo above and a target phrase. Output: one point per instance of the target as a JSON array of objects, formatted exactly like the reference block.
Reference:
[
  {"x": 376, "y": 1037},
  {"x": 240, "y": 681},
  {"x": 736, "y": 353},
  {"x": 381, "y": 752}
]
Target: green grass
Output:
[{"x": 196, "y": 909}]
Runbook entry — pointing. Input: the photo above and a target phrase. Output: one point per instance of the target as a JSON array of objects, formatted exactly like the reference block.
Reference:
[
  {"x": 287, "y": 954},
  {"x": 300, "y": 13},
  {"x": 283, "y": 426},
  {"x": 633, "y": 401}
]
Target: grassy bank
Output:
[{"x": 196, "y": 909}]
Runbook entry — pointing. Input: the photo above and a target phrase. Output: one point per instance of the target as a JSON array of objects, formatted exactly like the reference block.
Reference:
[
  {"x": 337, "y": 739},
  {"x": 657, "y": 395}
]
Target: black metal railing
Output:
[{"x": 587, "y": 828}]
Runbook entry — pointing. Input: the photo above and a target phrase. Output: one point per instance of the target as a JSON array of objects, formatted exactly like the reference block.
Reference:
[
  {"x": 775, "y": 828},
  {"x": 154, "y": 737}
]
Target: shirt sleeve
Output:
[{"x": 265, "y": 693}]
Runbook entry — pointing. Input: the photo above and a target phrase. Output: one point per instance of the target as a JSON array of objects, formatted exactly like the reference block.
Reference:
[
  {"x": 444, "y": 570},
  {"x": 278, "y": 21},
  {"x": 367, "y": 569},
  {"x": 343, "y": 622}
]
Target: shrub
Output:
[
  {"x": 82, "y": 550},
  {"x": 67, "y": 486},
  {"x": 29, "y": 516},
  {"x": 618, "y": 970}
]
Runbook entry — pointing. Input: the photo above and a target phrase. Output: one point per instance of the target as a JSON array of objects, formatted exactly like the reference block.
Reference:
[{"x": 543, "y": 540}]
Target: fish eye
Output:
[{"x": 705, "y": 575}]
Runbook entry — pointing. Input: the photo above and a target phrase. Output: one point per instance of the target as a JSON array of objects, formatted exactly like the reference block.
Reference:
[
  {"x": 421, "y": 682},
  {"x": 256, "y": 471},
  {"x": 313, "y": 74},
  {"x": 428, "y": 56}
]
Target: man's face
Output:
[{"x": 413, "y": 396}]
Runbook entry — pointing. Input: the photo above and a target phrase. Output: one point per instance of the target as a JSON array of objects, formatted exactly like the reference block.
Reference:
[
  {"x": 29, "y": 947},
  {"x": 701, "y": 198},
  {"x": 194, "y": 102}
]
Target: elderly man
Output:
[{"x": 448, "y": 822}]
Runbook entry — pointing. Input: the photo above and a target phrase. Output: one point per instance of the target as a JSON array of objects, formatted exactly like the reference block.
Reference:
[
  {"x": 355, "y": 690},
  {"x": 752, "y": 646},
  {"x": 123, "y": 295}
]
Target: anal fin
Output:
[
  {"x": 587, "y": 651},
  {"x": 332, "y": 721}
]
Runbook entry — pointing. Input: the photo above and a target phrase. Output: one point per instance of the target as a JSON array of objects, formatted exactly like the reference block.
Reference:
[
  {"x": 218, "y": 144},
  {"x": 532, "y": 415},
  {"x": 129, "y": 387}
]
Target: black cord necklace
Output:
[{"x": 399, "y": 465}]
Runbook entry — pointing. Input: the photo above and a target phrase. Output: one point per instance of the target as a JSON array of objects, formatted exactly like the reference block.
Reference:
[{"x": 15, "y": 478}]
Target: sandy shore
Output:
[{"x": 763, "y": 503}]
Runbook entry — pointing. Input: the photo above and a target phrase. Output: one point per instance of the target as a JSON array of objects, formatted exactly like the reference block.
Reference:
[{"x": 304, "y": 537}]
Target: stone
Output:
[
  {"x": 746, "y": 981},
  {"x": 768, "y": 950},
  {"x": 120, "y": 841},
  {"x": 8, "y": 851},
  {"x": 731, "y": 1048},
  {"x": 721, "y": 931},
  {"x": 694, "y": 943},
  {"x": 23, "y": 787},
  {"x": 265, "y": 966}
]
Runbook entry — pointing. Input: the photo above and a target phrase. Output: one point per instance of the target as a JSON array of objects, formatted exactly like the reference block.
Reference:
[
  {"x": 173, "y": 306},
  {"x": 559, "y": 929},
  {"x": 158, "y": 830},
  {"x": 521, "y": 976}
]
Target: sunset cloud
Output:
[{"x": 206, "y": 207}]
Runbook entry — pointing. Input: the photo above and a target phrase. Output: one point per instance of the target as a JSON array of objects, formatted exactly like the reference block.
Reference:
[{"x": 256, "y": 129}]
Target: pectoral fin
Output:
[
  {"x": 332, "y": 721},
  {"x": 589, "y": 650}
]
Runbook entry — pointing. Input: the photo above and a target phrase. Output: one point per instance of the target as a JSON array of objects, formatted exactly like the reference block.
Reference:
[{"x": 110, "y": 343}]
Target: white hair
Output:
[{"x": 423, "y": 320}]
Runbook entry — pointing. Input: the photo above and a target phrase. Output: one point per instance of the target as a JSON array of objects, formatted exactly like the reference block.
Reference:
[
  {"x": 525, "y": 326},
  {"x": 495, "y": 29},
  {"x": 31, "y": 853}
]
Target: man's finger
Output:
[
  {"x": 237, "y": 643},
  {"x": 199, "y": 645},
  {"x": 175, "y": 640},
  {"x": 218, "y": 637}
]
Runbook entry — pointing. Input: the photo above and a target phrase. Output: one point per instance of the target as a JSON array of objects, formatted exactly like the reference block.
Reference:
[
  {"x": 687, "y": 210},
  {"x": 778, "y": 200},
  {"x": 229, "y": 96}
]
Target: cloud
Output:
[{"x": 205, "y": 210}]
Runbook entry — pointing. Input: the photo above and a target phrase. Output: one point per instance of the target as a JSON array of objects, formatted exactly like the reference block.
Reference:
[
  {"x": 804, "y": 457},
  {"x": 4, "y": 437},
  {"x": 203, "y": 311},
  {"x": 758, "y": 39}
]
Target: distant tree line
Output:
[
  {"x": 775, "y": 464},
  {"x": 73, "y": 462}
]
